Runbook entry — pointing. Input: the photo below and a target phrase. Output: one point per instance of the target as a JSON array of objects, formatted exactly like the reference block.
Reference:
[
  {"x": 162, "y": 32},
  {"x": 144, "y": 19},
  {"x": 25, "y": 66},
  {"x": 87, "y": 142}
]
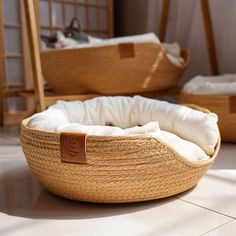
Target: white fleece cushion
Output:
[
  {"x": 190, "y": 151},
  {"x": 173, "y": 50},
  {"x": 187, "y": 149},
  {"x": 93, "y": 117},
  {"x": 212, "y": 85}
]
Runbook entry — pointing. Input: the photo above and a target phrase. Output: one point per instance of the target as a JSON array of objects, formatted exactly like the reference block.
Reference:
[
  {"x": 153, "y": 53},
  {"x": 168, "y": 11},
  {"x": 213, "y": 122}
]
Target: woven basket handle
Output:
[{"x": 73, "y": 147}]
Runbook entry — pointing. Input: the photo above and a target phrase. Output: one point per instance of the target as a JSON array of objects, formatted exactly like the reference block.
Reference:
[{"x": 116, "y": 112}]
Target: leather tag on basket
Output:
[
  {"x": 232, "y": 104},
  {"x": 126, "y": 50},
  {"x": 73, "y": 147}
]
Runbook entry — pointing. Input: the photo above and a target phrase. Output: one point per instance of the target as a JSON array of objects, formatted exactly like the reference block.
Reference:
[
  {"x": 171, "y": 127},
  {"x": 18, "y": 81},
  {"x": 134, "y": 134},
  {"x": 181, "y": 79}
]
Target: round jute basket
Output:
[{"x": 117, "y": 169}]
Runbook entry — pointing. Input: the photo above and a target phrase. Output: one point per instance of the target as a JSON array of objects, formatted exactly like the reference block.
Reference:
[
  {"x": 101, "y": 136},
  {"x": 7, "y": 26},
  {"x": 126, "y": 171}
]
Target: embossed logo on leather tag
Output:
[
  {"x": 232, "y": 104},
  {"x": 126, "y": 50},
  {"x": 73, "y": 147}
]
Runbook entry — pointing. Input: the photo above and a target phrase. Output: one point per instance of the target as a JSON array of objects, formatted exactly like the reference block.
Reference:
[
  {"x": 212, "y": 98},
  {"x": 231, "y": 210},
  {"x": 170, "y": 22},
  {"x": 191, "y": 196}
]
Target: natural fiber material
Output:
[
  {"x": 224, "y": 106},
  {"x": 118, "y": 169},
  {"x": 111, "y": 70}
]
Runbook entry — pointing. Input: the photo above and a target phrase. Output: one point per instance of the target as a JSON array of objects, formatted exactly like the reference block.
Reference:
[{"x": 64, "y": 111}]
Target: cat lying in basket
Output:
[
  {"x": 70, "y": 37},
  {"x": 74, "y": 37}
]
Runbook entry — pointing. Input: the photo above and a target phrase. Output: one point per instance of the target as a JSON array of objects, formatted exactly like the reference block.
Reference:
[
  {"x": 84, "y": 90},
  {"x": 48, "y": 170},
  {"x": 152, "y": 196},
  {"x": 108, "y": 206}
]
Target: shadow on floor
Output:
[{"x": 22, "y": 195}]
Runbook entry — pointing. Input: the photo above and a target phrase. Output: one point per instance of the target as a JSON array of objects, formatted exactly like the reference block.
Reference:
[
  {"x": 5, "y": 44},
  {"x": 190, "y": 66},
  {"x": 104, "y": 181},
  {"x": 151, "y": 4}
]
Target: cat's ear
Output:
[{"x": 75, "y": 24}]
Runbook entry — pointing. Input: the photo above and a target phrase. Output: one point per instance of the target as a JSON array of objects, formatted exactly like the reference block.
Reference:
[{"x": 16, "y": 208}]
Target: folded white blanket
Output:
[
  {"x": 141, "y": 38},
  {"x": 173, "y": 50},
  {"x": 212, "y": 85},
  {"x": 94, "y": 117}
]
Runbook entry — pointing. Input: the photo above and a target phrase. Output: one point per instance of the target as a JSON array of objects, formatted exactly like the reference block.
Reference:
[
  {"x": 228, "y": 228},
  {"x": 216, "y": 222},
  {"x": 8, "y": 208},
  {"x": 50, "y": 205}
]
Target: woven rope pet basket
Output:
[
  {"x": 223, "y": 106},
  {"x": 117, "y": 169},
  {"x": 126, "y": 68}
]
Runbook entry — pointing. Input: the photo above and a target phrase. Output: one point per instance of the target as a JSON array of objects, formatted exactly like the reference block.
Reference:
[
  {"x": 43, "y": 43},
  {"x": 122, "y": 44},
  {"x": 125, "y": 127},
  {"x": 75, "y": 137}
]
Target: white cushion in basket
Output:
[
  {"x": 212, "y": 85},
  {"x": 95, "y": 115}
]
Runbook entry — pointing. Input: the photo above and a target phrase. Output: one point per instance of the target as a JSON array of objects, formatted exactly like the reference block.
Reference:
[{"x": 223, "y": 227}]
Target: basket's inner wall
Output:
[{"x": 96, "y": 17}]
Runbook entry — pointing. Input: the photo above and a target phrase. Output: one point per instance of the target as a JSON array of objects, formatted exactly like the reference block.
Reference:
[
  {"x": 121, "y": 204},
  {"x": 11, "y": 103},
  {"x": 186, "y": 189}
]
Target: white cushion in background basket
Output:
[
  {"x": 212, "y": 85},
  {"x": 191, "y": 131}
]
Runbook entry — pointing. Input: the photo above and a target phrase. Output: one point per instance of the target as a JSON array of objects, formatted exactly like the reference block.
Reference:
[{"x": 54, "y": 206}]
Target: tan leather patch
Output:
[
  {"x": 73, "y": 147},
  {"x": 232, "y": 104},
  {"x": 126, "y": 50}
]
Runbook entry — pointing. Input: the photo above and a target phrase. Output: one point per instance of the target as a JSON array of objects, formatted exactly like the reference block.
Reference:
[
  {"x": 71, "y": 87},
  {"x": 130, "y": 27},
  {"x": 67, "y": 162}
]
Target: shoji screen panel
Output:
[
  {"x": 13, "y": 60},
  {"x": 96, "y": 16},
  {"x": 15, "y": 64},
  {"x": 13, "y": 43}
]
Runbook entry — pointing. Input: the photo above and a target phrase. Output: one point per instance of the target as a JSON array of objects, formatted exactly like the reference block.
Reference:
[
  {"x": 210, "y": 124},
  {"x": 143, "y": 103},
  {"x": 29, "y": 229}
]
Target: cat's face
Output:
[
  {"x": 49, "y": 40},
  {"x": 70, "y": 37},
  {"x": 64, "y": 42},
  {"x": 58, "y": 40},
  {"x": 75, "y": 32}
]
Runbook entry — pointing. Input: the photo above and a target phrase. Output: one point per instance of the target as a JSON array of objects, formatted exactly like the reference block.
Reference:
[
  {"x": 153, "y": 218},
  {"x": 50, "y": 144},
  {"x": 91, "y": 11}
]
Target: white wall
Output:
[{"x": 186, "y": 27}]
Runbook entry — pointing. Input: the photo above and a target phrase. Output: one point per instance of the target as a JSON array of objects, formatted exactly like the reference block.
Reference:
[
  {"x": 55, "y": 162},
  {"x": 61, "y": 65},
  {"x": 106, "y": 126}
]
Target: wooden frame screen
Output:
[
  {"x": 96, "y": 17},
  {"x": 15, "y": 77}
]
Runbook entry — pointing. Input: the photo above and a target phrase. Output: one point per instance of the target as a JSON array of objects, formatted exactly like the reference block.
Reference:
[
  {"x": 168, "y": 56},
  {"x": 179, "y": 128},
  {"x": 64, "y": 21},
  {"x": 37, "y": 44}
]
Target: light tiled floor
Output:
[{"x": 26, "y": 208}]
